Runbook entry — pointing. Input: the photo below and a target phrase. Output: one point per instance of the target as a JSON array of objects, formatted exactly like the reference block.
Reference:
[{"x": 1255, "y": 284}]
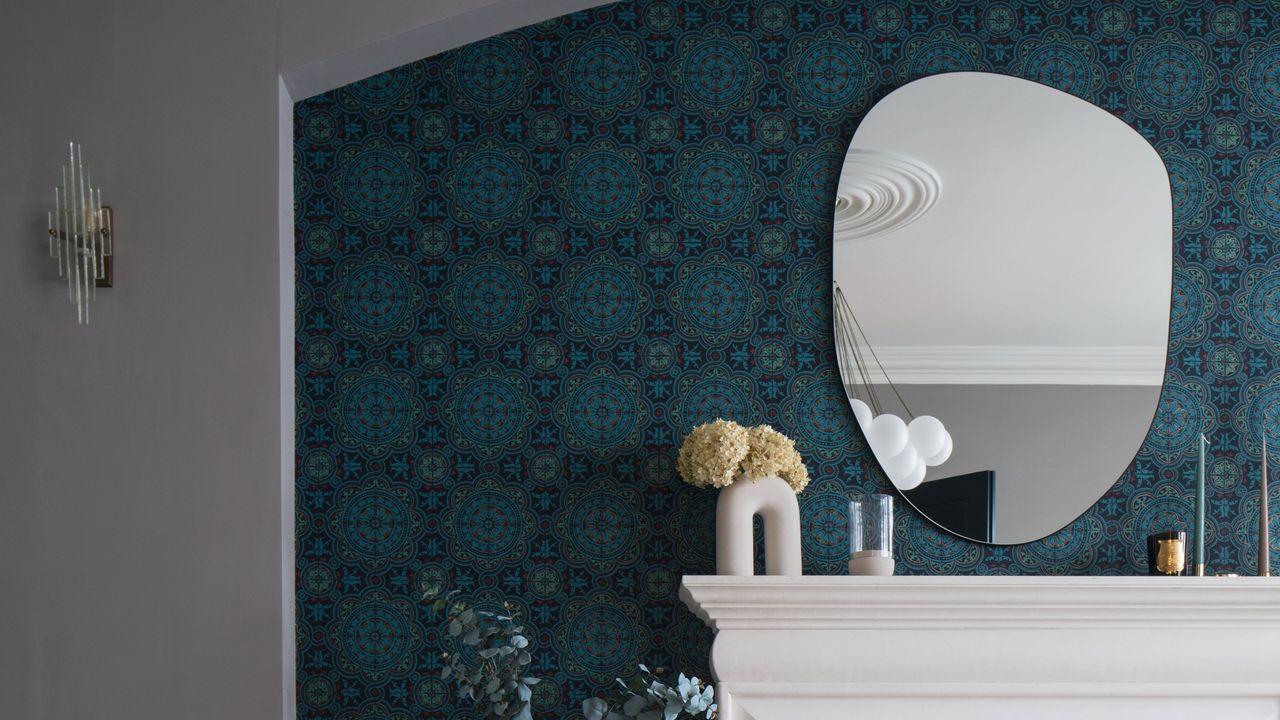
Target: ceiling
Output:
[{"x": 1050, "y": 227}]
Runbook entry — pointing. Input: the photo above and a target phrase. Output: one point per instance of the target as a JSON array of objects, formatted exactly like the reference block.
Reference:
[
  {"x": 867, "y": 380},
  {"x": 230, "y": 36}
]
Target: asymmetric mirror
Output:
[{"x": 1006, "y": 250}]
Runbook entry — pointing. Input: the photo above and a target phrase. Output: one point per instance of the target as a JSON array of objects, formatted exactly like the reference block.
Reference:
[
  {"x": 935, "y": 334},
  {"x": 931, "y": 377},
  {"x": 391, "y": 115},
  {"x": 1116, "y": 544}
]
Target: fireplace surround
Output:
[{"x": 822, "y": 648}]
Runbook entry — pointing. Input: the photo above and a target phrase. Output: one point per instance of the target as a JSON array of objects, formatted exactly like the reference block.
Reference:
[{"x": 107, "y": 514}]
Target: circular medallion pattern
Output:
[
  {"x": 603, "y": 72},
  {"x": 317, "y": 580},
  {"x": 602, "y": 526},
  {"x": 375, "y": 523},
  {"x": 659, "y": 355},
  {"x": 659, "y": 17},
  {"x": 376, "y": 297},
  {"x": 1178, "y": 420},
  {"x": 886, "y": 18},
  {"x": 489, "y": 297},
  {"x": 825, "y": 526},
  {"x": 1170, "y": 77},
  {"x": 716, "y": 72},
  {"x": 317, "y": 692},
  {"x": 1264, "y": 413},
  {"x": 815, "y": 184},
  {"x": 1061, "y": 66},
  {"x": 823, "y": 416},
  {"x": 488, "y": 523},
  {"x": 319, "y": 353},
  {"x": 659, "y": 241},
  {"x": 1226, "y": 134},
  {"x": 433, "y": 127},
  {"x": 1226, "y": 248},
  {"x": 433, "y": 354},
  {"x": 711, "y": 399},
  {"x": 318, "y": 465},
  {"x": 377, "y": 184},
  {"x": 1187, "y": 305},
  {"x": 1225, "y": 361},
  {"x": 490, "y": 72},
  {"x": 381, "y": 89},
  {"x": 716, "y": 186},
  {"x": 810, "y": 299},
  {"x": 603, "y": 412},
  {"x": 602, "y": 638},
  {"x": 1113, "y": 20},
  {"x": 830, "y": 74},
  {"x": 545, "y": 128},
  {"x": 772, "y": 356},
  {"x": 1225, "y": 21},
  {"x": 1264, "y": 79},
  {"x": 375, "y": 636},
  {"x": 546, "y": 241},
  {"x": 545, "y": 354},
  {"x": 432, "y": 693},
  {"x": 1188, "y": 189},
  {"x": 716, "y": 299},
  {"x": 319, "y": 240},
  {"x": 940, "y": 56},
  {"x": 490, "y": 185},
  {"x": 432, "y": 467},
  {"x": 603, "y": 298},
  {"x": 376, "y": 410},
  {"x": 319, "y": 127},
  {"x": 545, "y": 581},
  {"x": 1264, "y": 192},
  {"x": 545, "y": 467},
  {"x": 489, "y": 411},
  {"x": 1000, "y": 19},
  {"x": 603, "y": 186},
  {"x": 433, "y": 241},
  {"x": 659, "y": 129},
  {"x": 1264, "y": 306}
]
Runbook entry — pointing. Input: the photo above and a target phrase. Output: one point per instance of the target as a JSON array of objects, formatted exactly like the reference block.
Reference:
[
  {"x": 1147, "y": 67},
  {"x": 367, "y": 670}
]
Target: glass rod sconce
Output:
[{"x": 80, "y": 237}]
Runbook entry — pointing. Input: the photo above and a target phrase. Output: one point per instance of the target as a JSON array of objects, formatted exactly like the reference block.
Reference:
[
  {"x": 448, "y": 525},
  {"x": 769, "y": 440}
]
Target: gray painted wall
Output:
[
  {"x": 1055, "y": 448},
  {"x": 139, "y": 487},
  {"x": 143, "y": 527}
]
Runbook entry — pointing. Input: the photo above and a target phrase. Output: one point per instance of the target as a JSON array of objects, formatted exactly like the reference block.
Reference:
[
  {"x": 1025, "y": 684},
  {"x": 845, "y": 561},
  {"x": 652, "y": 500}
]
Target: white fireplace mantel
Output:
[{"x": 821, "y": 648}]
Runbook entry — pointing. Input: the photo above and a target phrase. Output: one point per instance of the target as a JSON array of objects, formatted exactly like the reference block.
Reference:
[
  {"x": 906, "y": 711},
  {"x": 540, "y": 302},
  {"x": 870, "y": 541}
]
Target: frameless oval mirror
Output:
[{"x": 1006, "y": 251}]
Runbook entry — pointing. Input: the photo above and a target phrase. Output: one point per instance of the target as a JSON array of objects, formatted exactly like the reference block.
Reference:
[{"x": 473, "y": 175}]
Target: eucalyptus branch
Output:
[
  {"x": 489, "y": 661},
  {"x": 646, "y": 696}
]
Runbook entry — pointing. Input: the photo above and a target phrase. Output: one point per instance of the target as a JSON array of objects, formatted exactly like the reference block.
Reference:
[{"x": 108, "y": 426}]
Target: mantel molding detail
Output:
[{"x": 1124, "y": 647}]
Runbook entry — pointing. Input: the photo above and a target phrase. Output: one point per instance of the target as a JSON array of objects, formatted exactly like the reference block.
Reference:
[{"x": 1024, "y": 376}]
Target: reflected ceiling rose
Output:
[{"x": 881, "y": 192}]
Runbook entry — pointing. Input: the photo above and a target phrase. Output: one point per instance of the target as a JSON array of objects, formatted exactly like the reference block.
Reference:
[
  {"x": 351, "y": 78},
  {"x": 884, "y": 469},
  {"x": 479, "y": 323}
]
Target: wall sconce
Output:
[{"x": 80, "y": 236}]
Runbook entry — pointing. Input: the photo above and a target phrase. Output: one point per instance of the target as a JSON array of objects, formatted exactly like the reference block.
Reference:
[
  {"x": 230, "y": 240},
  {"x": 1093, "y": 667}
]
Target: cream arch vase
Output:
[{"x": 775, "y": 502}]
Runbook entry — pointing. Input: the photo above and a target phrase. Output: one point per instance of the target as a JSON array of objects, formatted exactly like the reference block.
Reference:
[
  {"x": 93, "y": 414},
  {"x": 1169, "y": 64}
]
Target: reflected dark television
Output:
[{"x": 964, "y": 504}]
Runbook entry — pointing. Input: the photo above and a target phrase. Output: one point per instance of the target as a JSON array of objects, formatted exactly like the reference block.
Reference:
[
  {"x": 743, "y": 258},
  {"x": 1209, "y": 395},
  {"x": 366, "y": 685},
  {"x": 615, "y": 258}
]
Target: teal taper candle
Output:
[
  {"x": 1264, "y": 517},
  {"x": 1199, "y": 557}
]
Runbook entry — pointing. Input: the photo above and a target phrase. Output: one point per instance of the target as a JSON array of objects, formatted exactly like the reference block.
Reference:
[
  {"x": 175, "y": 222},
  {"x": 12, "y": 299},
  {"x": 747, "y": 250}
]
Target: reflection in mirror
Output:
[{"x": 1007, "y": 250}]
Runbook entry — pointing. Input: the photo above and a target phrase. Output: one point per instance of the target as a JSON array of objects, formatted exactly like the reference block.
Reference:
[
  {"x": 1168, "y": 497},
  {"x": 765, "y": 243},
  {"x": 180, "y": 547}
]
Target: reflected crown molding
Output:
[
  {"x": 1013, "y": 365},
  {"x": 880, "y": 192}
]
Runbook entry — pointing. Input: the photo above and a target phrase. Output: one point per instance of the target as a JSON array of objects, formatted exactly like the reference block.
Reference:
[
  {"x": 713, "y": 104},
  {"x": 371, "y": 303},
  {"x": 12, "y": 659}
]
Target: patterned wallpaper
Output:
[{"x": 527, "y": 266}]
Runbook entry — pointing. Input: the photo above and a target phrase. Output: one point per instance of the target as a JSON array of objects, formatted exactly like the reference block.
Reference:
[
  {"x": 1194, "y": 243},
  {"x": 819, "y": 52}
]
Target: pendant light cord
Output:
[{"x": 847, "y": 331}]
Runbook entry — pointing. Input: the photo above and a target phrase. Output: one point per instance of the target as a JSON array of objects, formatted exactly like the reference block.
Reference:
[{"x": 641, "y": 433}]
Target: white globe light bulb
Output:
[
  {"x": 943, "y": 453},
  {"x": 887, "y": 435},
  {"x": 901, "y": 465},
  {"x": 913, "y": 478},
  {"x": 861, "y": 411},
  {"x": 927, "y": 434}
]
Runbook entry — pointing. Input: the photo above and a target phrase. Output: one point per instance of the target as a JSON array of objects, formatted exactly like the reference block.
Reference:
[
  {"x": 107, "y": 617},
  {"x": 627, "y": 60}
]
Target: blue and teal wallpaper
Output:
[{"x": 526, "y": 267}]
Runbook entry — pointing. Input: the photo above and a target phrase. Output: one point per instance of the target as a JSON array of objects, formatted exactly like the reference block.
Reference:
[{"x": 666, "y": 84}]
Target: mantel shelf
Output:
[{"x": 820, "y": 647}]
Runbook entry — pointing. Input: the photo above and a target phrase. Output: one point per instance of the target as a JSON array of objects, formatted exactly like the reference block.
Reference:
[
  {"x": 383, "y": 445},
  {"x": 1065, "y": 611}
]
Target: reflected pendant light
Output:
[{"x": 904, "y": 449}]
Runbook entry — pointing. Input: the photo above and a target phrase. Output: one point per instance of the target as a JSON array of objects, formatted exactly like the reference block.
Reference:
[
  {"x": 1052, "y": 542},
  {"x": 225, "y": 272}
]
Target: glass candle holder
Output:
[
  {"x": 871, "y": 535},
  {"x": 1167, "y": 553}
]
